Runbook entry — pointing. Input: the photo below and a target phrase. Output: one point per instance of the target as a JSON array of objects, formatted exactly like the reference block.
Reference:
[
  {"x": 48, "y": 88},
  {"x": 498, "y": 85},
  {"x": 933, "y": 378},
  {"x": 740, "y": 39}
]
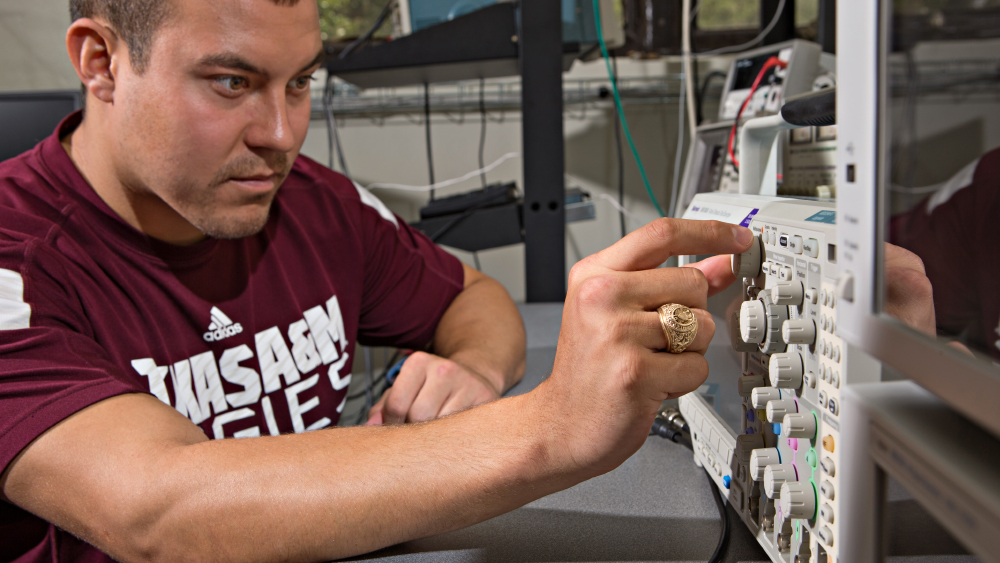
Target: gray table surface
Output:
[{"x": 657, "y": 506}]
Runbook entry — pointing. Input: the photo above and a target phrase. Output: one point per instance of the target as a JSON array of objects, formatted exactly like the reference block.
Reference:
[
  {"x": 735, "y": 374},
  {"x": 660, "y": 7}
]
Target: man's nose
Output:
[{"x": 271, "y": 128}]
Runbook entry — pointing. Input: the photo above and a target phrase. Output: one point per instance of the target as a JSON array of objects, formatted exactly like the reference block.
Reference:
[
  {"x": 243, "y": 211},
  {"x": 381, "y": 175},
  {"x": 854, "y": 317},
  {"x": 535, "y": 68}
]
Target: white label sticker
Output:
[{"x": 735, "y": 214}]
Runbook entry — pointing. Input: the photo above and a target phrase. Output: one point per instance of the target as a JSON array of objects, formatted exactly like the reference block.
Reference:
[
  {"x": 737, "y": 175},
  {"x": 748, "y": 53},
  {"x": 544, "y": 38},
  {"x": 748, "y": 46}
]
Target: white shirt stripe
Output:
[
  {"x": 375, "y": 203},
  {"x": 15, "y": 314}
]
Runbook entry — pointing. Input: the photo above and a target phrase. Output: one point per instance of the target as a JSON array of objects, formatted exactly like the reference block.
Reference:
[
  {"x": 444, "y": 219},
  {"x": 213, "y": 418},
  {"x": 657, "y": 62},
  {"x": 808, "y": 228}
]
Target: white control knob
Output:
[
  {"x": 760, "y": 459},
  {"x": 761, "y": 396},
  {"x": 776, "y": 410},
  {"x": 777, "y": 475},
  {"x": 747, "y": 265},
  {"x": 746, "y": 444},
  {"x": 799, "y": 331},
  {"x": 746, "y": 384},
  {"x": 787, "y": 293},
  {"x": 785, "y": 369},
  {"x": 799, "y": 425},
  {"x": 753, "y": 321},
  {"x": 798, "y": 500}
]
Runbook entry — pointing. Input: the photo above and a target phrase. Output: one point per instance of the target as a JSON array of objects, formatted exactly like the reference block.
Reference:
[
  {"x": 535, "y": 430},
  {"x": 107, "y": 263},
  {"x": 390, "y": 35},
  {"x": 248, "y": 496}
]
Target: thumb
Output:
[{"x": 375, "y": 417}]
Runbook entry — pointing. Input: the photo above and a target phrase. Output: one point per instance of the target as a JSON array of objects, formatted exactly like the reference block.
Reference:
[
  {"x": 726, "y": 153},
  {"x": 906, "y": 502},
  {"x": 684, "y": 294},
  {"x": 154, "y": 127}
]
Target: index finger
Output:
[{"x": 653, "y": 244}]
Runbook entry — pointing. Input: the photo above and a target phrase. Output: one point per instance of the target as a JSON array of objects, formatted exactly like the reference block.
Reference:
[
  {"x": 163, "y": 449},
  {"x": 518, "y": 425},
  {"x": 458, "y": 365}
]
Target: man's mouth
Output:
[{"x": 256, "y": 182}]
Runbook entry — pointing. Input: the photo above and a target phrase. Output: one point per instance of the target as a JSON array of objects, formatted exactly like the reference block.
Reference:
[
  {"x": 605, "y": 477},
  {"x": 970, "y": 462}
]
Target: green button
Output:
[{"x": 811, "y": 458}]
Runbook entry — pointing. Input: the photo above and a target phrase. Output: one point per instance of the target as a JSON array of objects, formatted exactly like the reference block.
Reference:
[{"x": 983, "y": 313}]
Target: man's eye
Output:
[
  {"x": 301, "y": 83},
  {"x": 233, "y": 83}
]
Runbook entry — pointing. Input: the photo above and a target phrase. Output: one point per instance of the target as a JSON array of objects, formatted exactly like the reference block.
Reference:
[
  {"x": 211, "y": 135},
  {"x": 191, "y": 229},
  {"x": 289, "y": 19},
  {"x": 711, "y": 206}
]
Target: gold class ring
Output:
[{"x": 679, "y": 325}]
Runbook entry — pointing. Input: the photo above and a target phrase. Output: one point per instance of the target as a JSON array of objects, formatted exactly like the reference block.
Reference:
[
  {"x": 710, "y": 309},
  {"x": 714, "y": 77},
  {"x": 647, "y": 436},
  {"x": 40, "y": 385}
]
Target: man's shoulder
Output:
[
  {"x": 312, "y": 184},
  {"x": 31, "y": 201}
]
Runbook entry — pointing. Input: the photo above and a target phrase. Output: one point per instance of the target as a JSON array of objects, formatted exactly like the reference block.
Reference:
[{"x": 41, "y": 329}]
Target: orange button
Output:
[{"x": 828, "y": 443}]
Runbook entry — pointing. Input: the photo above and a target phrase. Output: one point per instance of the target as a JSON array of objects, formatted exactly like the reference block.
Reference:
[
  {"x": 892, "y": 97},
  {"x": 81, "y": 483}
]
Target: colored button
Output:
[
  {"x": 726, "y": 480},
  {"x": 811, "y": 458},
  {"x": 828, "y": 444}
]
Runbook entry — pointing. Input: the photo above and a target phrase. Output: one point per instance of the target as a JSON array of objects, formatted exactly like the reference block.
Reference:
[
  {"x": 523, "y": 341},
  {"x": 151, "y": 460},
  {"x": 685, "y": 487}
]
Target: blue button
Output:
[
  {"x": 750, "y": 431},
  {"x": 726, "y": 479},
  {"x": 777, "y": 428},
  {"x": 750, "y": 416}
]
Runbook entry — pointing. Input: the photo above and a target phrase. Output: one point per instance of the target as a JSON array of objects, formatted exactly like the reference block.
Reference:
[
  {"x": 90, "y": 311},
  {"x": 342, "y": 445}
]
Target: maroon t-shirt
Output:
[
  {"x": 956, "y": 232},
  {"x": 246, "y": 337}
]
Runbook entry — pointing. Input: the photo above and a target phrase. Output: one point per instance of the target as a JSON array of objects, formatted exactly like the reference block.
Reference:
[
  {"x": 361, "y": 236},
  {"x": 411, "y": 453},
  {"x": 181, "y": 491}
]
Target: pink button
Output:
[{"x": 794, "y": 444}]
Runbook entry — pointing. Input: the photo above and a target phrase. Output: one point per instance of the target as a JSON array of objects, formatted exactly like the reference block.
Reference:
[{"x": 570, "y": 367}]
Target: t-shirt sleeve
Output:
[
  {"x": 50, "y": 367},
  {"x": 409, "y": 281},
  {"x": 947, "y": 232}
]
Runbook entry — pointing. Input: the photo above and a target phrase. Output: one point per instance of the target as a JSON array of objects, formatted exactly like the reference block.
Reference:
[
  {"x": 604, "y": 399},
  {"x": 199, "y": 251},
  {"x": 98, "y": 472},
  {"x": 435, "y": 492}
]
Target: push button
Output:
[
  {"x": 810, "y": 247},
  {"x": 795, "y": 244}
]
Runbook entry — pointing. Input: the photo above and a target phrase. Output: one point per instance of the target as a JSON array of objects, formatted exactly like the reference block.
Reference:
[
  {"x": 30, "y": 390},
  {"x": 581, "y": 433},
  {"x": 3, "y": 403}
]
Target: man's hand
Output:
[
  {"x": 429, "y": 387},
  {"x": 909, "y": 296},
  {"x": 611, "y": 371}
]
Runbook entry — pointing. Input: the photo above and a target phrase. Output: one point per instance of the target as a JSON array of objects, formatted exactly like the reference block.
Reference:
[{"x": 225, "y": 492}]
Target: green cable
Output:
[{"x": 618, "y": 106}]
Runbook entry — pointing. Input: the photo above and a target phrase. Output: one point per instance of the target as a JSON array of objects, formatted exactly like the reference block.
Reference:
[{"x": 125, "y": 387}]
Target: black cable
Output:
[
  {"x": 332, "y": 133},
  {"x": 720, "y": 548},
  {"x": 427, "y": 132},
  {"x": 665, "y": 429},
  {"x": 383, "y": 15},
  {"x": 482, "y": 128},
  {"x": 700, "y": 94},
  {"x": 621, "y": 159}
]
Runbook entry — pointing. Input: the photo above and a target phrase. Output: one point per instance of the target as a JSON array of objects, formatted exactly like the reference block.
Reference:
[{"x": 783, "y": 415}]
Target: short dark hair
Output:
[{"x": 135, "y": 21}]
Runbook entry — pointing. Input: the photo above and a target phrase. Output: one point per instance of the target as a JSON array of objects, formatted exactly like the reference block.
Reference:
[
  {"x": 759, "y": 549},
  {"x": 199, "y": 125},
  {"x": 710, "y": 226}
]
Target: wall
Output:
[{"x": 32, "y": 42}]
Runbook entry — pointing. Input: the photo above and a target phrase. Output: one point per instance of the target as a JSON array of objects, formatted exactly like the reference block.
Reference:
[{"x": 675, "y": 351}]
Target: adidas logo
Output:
[{"x": 221, "y": 327}]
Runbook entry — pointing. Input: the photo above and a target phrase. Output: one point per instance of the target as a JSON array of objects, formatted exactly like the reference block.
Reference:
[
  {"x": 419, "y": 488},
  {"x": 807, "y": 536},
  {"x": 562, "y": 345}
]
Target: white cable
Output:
[
  {"x": 446, "y": 183},
  {"x": 618, "y": 206},
  {"x": 675, "y": 186},
  {"x": 752, "y": 42},
  {"x": 688, "y": 70}
]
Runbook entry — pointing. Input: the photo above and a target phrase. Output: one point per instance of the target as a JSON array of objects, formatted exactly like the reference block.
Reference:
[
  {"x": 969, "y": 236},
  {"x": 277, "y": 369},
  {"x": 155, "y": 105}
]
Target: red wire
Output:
[{"x": 769, "y": 64}]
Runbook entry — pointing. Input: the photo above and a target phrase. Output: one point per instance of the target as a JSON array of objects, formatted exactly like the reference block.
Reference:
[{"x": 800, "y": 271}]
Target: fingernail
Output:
[{"x": 743, "y": 235}]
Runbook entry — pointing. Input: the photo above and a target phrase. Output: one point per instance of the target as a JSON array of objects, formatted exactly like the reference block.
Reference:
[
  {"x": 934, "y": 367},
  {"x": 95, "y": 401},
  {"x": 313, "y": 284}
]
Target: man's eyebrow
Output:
[
  {"x": 233, "y": 61},
  {"x": 229, "y": 60},
  {"x": 318, "y": 59}
]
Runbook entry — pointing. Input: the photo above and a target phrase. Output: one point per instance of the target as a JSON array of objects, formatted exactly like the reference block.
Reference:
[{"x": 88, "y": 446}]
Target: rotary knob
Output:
[
  {"x": 753, "y": 321},
  {"x": 799, "y": 331},
  {"x": 746, "y": 445},
  {"x": 777, "y": 475},
  {"x": 761, "y": 396},
  {"x": 776, "y": 316},
  {"x": 799, "y": 425},
  {"x": 747, "y": 264},
  {"x": 776, "y": 410},
  {"x": 747, "y": 383},
  {"x": 785, "y": 370},
  {"x": 761, "y": 459},
  {"x": 798, "y": 500},
  {"x": 787, "y": 293}
]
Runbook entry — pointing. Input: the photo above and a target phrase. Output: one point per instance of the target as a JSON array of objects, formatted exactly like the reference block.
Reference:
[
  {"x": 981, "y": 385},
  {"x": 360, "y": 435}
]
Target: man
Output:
[
  {"x": 953, "y": 233},
  {"x": 172, "y": 271}
]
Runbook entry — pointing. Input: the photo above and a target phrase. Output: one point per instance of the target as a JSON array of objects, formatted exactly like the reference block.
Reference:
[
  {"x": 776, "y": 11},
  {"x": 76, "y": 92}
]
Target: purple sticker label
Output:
[{"x": 746, "y": 222}]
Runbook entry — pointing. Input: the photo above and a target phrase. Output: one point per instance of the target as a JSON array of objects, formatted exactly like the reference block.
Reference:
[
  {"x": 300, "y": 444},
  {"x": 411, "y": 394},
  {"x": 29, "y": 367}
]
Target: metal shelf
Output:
[{"x": 461, "y": 97}]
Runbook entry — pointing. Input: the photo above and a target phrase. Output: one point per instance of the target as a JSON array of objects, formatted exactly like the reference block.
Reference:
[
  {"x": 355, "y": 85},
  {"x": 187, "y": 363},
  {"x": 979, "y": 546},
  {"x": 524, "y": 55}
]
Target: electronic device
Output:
[
  {"x": 803, "y": 61},
  {"x": 490, "y": 196},
  {"x": 28, "y": 117},
  {"x": 805, "y": 157},
  {"x": 776, "y": 456},
  {"x": 578, "y": 25},
  {"x": 900, "y": 122}
]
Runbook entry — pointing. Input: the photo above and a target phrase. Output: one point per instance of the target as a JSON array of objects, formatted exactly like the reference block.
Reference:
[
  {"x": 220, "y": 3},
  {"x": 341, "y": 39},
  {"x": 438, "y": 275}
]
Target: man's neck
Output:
[{"x": 92, "y": 151}]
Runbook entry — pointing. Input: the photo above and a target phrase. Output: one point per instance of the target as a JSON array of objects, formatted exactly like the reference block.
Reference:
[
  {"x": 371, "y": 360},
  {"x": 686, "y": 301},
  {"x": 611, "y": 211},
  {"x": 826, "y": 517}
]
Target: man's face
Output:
[{"x": 213, "y": 125}]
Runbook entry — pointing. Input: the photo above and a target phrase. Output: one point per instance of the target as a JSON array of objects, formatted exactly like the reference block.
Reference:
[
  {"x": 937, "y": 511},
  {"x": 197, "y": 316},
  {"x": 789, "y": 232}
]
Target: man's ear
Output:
[{"x": 96, "y": 52}]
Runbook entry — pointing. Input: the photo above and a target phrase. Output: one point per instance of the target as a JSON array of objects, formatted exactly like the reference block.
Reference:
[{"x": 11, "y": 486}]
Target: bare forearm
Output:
[
  {"x": 332, "y": 494},
  {"x": 483, "y": 331},
  {"x": 149, "y": 492}
]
